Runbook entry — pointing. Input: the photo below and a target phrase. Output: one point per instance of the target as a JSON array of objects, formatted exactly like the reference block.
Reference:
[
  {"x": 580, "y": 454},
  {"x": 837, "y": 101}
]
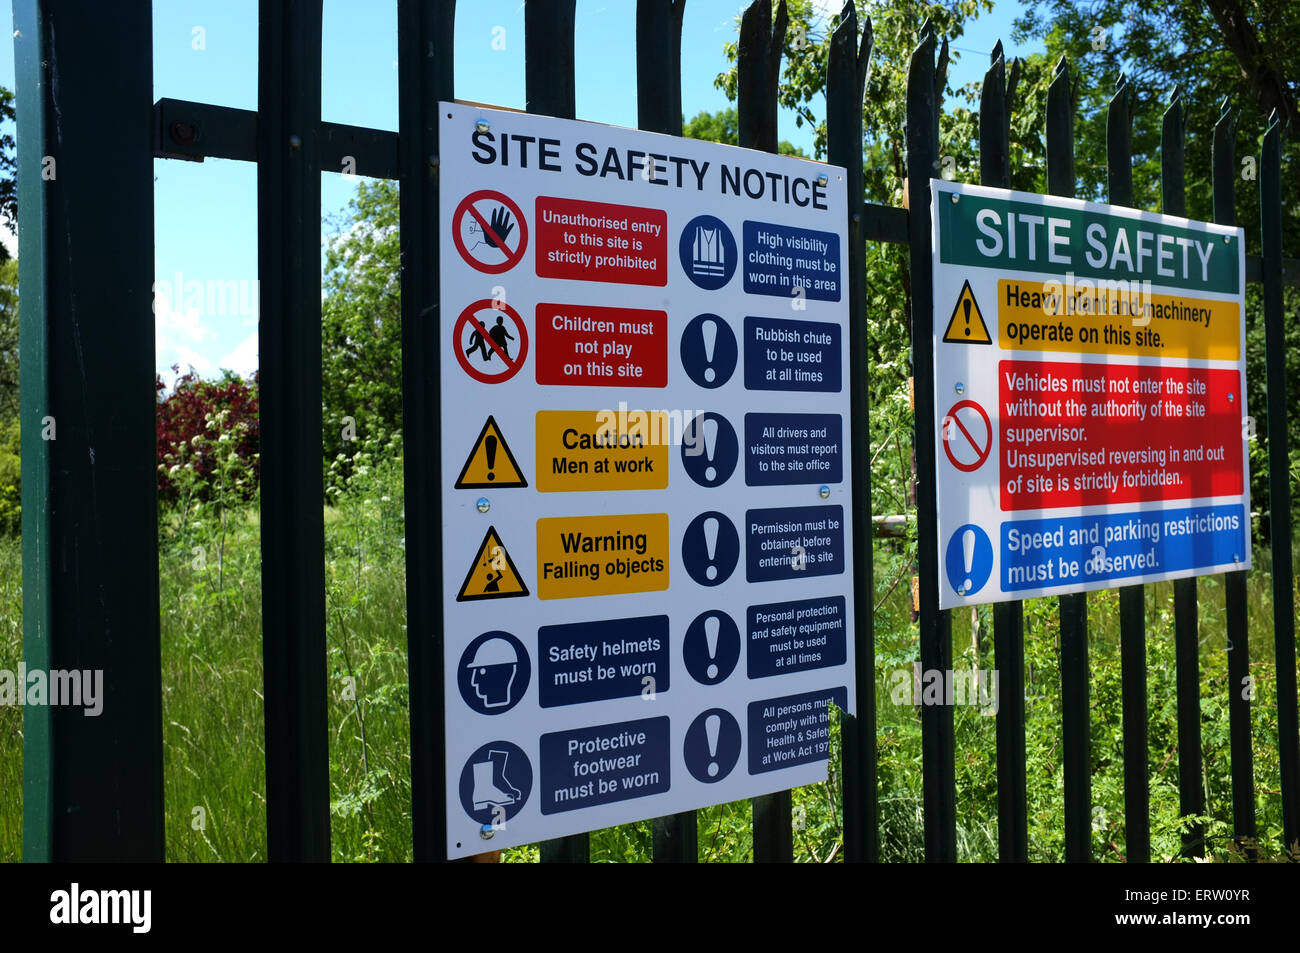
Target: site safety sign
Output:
[
  {"x": 1090, "y": 390},
  {"x": 647, "y": 512}
]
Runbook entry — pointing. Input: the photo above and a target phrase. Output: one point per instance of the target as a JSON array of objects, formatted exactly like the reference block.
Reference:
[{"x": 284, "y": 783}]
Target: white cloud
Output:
[
  {"x": 243, "y": 359},
  {"x": 176, "y": 336},
  {"x": 182, "y": 356}
]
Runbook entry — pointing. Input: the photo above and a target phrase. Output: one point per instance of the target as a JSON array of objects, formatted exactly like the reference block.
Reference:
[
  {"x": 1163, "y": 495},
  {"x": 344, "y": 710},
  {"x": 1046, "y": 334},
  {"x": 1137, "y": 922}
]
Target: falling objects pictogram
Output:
[
  {"x": 492, "y": 575},
  {"x": 490, "y": 464},
  {"x": 966, "y": 326}
]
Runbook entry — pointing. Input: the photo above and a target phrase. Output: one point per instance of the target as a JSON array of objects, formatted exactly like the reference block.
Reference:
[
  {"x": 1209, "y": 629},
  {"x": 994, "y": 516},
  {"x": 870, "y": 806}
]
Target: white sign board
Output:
[
  {"x": 1090, "y": 385},
  {"x": 647, "y": 517}
]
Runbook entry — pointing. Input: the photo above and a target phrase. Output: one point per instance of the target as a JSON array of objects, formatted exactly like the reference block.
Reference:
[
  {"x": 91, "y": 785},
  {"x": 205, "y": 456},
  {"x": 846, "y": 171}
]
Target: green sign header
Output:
[{"x": 989, "y": 232}]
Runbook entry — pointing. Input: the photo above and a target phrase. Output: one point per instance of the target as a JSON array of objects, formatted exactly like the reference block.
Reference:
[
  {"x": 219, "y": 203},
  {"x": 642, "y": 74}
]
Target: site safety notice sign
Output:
[
  {"x": 1089, "y": 367},
  {"x": 646, "y": 500}
]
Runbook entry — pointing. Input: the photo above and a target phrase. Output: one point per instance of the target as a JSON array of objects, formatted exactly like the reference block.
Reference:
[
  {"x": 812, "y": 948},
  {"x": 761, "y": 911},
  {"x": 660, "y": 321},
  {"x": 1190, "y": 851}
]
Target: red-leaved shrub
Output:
[{"x": 188, "y": 440}]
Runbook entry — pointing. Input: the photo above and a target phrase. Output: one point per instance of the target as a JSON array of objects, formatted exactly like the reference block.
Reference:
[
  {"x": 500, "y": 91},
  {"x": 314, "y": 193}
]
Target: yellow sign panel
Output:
[
  {"x": 1115, "y": 317},
  {"x": 492, "y": 575},
  {"x": 601, "y": 450},
  {"x": 601, "y": 555},
  {"x": 966, "y": 326},
  {"x": 490, "y": 464}
]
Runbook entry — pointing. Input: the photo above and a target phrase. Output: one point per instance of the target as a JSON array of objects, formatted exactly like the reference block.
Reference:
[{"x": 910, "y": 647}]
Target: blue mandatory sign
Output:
[
  {"x": 710, "y": 449},
  {"x": 495, "y": 783},
  {"x": 792, "y": 355},
  {"x": 710, "y": 549},
  {"x": 709, "y": 351},
  {"x": 784, "y": 260},
  {"x": 712, "y": 746},
  {"x": 708, "y": 252},
  {"x": 968, "y": 560},
  {"x": 711, "y": 647},
  {"x": 494, "y": 673}
]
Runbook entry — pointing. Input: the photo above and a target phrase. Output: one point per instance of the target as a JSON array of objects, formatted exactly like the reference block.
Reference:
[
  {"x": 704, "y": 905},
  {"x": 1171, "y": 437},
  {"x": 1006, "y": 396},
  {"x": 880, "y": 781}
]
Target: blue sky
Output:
[{"x": 206, "y": 50}]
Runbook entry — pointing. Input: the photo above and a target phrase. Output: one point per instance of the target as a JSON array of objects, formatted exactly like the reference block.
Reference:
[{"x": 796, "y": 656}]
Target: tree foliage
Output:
[
  {"x": 723, "y": 126},
  {"x": 10, "y": 465},
  {"x": 1208, "y": 49},
  {"x": 8, "y": 168},
  {"x": 361, "y": 320},
  {"x": 1210, "y": 52},
  {"x": 8, "y": 340}
]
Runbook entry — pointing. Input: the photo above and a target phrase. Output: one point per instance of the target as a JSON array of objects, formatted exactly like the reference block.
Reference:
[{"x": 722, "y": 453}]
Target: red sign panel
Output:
[
  {"x": 585, "y": 345},
  {"x": 1092, "y": 434},
  {"x": 597, "y": 241}
]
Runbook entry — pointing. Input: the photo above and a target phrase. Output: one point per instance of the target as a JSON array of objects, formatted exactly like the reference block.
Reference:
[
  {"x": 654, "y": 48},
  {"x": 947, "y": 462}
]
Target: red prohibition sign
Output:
[
  {"x": 493, "y": 351},
  {"x": 467, "y": 207},
  {"x": 981, "y": 449}
]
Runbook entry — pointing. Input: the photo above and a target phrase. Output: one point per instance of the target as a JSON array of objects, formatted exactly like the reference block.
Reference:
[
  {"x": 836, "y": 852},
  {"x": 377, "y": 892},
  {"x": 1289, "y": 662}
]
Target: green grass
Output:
[
  {"x": 213, "y": 729},
  {"x": 11, "y": 719}
]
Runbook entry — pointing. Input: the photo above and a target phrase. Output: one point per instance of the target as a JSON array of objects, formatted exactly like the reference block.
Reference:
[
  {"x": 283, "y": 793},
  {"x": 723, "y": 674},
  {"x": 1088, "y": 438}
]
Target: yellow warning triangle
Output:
[
  {"x": 966, "y": 326},
  {"x": 490, "y": 463},
  {"x": 492, "y": 575}
]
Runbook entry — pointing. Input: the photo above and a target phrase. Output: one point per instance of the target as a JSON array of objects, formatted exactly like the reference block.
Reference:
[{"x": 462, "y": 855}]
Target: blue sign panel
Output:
[
  {"x": 793, "y": 730},
  {"x": 1070, "y": 550},
  {"x": 786, "y": 637},
  {"x": 589, "y": 766},
  {"x": 791, "y": 355},
  {"x": 785, "y": 449},
  {"x": 794, "y": 542},
  {"x": 592, "y": 661},
  {"x": 791, "y": 262}
]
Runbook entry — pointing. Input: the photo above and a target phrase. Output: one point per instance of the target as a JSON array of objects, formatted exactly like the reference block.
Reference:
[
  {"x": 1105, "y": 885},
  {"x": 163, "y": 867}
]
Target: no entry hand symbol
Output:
[{"x": 484, "y": 230}]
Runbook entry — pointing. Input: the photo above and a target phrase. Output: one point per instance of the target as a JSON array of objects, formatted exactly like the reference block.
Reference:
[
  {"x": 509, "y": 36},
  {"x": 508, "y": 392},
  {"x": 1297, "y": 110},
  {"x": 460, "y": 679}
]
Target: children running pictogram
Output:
[{"x": 499, "y": 335}]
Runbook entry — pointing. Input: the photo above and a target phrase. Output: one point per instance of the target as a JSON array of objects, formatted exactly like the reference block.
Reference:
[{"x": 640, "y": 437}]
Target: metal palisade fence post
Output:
[{"x": 846, "y": 78}]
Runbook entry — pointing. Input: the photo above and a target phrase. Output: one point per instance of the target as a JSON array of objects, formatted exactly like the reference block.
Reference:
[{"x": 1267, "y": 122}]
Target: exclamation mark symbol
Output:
[
  {"x": 712, "y": 728},
  {"x": 710, "y": 428},
  {"x": 965, "y": 305},
  {"x": 711, "y": 527},
  {"x": 709, "y": 331},
  {"x": 712, "y": 626},
  {"x": 490, "y": 445},
  {"x": 968, "y": 559}
]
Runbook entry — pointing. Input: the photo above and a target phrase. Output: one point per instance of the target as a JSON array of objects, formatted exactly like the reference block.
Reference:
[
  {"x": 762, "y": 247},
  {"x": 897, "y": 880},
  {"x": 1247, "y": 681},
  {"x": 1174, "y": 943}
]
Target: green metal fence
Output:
[{"x": 93, "y": 789}]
